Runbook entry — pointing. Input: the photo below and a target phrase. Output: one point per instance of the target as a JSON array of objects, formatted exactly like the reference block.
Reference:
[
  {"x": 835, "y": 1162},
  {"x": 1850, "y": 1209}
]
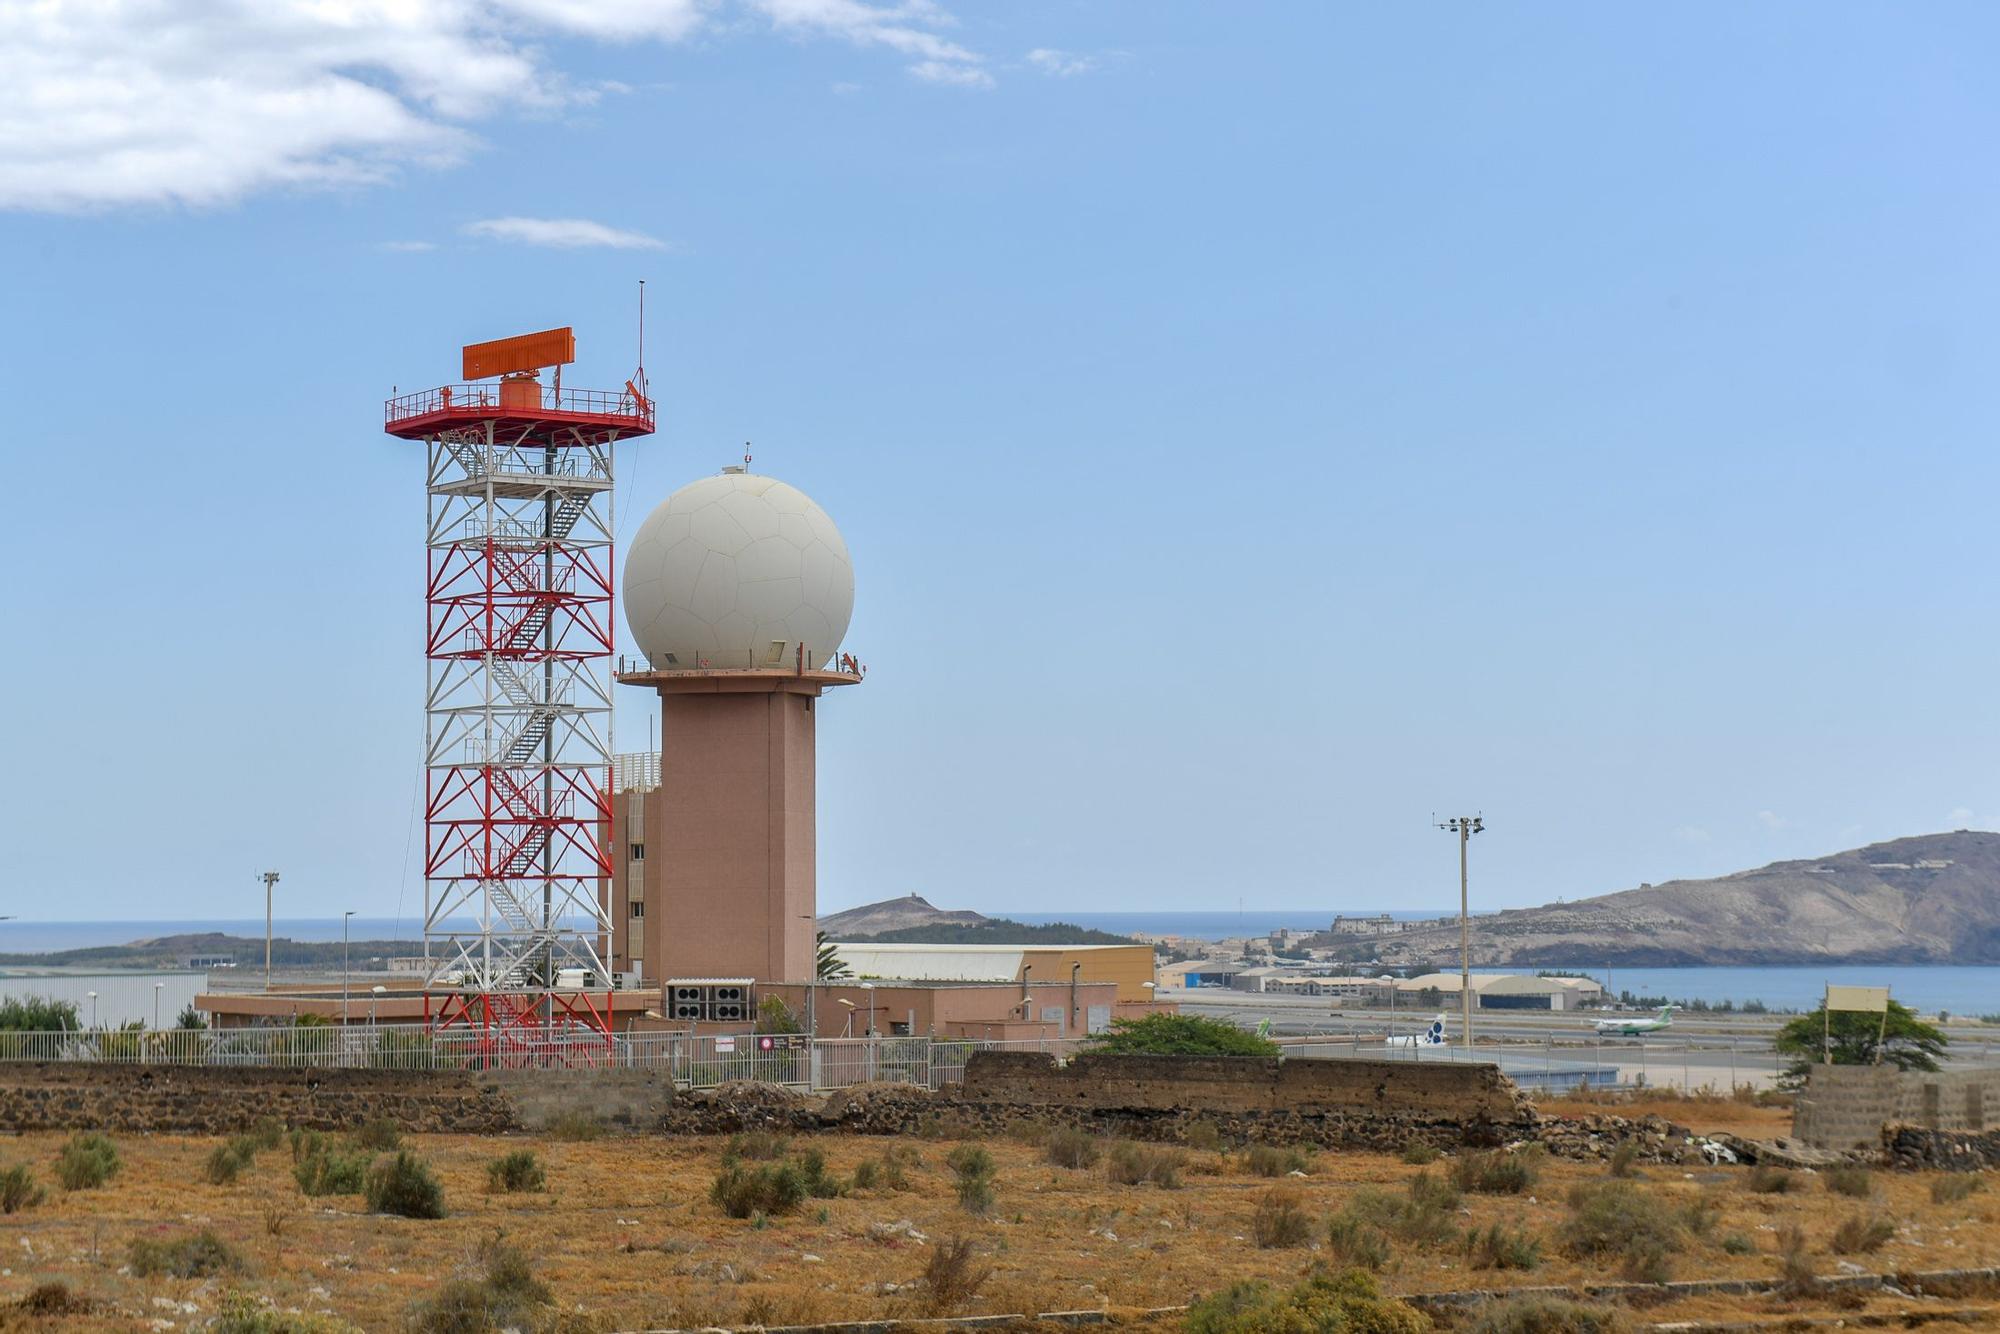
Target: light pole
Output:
[
  {"x": 1465, "y": 826},
  {"x": 158, "y": 987},
  {"x": 375, "y": 994},
  {"x": 1152, "y": 994},
  {"x": 270, "y": 879},
  {"x": 93, "y": 1009},
  {"x": 869, "y": 987},
  {"x": 344, "y": 918}
]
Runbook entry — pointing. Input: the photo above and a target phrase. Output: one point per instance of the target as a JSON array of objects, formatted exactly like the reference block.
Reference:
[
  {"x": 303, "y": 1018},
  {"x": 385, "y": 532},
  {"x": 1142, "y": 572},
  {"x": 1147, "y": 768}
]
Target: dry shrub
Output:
[
  {"x": 1348, "y": 1303},
  {"x": 575, "y": 1126},
  {"x": 1546, "y": 1315},
  {"x": 1417, "y": 1153},
  {"x": 952, "y": 1277},
  {"x": 1856, "y": 1183},
  {"x": 1204, "y": 1136},
  {"x": 1618, "y": 1220},
  {"x": 1796, "y": 1278},
  {"x": 1267, "y": 1160},
  {"x": 378, "y": 1135},
  {"x": 243, "y": 1313},
  {"x": 518, "y": 1170},
  {"x": 1494, "y": 1173},
  {"x": 1426, "y": 1214},
  {"x": 265, "y": 1133},
  {"x": 327, "y": 1171},
  {"x": 1949, "y": 1189},
  {"x": 18, "y": 1190},
  {"x": 1860, "y": 1235},
  {"x": 1502, "y": 1247},
  {"x": 1133, "y": 1164},
  {"x": 764, "y": 1146},
  {"x": 506, "y": 1296},
  {"x": 1280, "y": 1221},
  {"x": 1624, "y": 1160},
  {"x": 54, "y": 1299},
  {"x": 889, "y": 1171},
  {"x": 1765, "y": 1179},
  {"x": 1355, "y": 1243},
  {"x": 226, "y": 1161},
  {"x": 1068, "y": 1147},
  {"x": 196, "y": 1255}
]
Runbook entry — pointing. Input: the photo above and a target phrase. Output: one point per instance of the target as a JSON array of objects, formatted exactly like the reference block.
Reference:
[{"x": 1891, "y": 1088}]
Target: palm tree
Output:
[{"x": 830, "y": 965}]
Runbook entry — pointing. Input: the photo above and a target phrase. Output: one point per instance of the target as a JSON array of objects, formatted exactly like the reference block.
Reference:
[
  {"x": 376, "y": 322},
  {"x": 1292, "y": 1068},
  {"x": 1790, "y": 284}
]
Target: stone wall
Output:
[
  {"x": 224, "y": 1100},
  {"x": 1846, "y": 1106},
  {"x": 1431, "y": 1090}
]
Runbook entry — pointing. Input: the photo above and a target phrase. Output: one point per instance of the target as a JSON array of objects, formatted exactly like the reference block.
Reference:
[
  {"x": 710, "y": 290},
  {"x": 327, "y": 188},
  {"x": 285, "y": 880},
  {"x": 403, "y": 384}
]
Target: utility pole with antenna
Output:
[
  {"x": 1465, "y": 826},
  {"x": 270, "y": 878}
]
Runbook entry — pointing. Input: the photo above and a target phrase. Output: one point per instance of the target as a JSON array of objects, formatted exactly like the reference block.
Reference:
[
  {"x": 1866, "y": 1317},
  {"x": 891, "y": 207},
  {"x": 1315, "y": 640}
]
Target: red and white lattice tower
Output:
[{"x": 517, "y": 785}]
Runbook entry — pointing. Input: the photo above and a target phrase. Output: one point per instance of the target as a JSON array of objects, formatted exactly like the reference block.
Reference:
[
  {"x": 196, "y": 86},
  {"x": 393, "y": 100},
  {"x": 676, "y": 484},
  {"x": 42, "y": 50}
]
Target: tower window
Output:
[
  {"x": 638, "y": 908},
  {"x": 638, "y": 852}
]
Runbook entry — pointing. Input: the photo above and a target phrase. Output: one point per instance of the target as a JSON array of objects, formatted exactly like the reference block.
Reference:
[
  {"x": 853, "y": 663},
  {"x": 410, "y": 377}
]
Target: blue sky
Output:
[{"x": 1256, "y": 427}]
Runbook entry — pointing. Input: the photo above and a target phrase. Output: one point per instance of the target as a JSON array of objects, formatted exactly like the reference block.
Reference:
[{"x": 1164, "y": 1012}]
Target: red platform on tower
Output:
[{"x": 523, "y": 413}]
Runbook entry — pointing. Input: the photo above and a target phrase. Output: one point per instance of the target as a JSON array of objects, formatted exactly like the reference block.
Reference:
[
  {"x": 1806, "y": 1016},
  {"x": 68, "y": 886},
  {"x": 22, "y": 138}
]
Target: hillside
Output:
[
  {"x": 902, "y": 914},
  {"x": 1932, "y": 899}
]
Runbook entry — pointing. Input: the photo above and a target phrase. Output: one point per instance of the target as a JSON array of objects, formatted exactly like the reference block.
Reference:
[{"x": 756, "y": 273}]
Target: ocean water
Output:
[{"x": 1206, "y": 925}]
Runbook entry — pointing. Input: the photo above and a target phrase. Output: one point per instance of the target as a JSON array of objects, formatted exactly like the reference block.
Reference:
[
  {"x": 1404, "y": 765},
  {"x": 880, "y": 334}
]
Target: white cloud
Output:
[
  {"x": 561, "y": 233},
  {"x": 1772, "y": 820},
  {"x": 1960, "y": 817},
  {"x": 117, "y": 103},
  {"x": 408, "y": 247},
  {"x": 1060, "y": 64},
  {"x": 960, "y": 76}
]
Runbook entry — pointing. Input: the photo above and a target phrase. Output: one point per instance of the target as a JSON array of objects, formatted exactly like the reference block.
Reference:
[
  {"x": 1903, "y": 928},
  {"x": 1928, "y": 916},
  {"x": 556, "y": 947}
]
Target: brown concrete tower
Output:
[{"x": 738, "y": 589}]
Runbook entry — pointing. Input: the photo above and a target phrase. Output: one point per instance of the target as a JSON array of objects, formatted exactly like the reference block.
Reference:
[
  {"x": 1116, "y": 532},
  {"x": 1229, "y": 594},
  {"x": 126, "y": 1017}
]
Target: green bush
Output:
[
  {"x": 227, "y": 1160},
  {"x": 887, "y": 1172},
  {"x": 1280, "y": 1221},
  {"x": 18, "y": 1190},
  {"x": 197, "y": 1255},
  {"x": 745, "y": 1191},
  {"x": 37, "y": 1014},
  {"x": 88, "y": 1160},
  {"x": 1426, "y": 1214},
  {"x": 1417, "y": 1153},
  {"x": 328, "y": 1171},
  {"x": 1738, "y": 1244},
  {"x": 973, "y": 1167},
  {"x": 1163, "y": 1034},
  {"x": 1502, "y": 1247},
  {"x": 1618, "y": 1220},
  {"x": 265, "y": 1133},
  {"x": 377, "y": 1135},
  {"x": 1854, "y": 1182},
  {"x": 1859, "y": 1236},
  {"x": 516, "y": 1171},
  {"x": 404, "y": 1186},
  {"x": 1356, "y": 1243},
  {"x": 1545, "y": 1315},
  {"x": 1348, "y": 1303},
  {"x": 1072, "y": 1148},
  {"x": 1145, "y": 1164},
  {"x": 1494, "y": 1173},
  {"x": 306, "y": 1143},
  {"x": 242, "y": 1313},
  {"x": 820, "y": 1184},
  {"x": 1266, "y": 1160}
]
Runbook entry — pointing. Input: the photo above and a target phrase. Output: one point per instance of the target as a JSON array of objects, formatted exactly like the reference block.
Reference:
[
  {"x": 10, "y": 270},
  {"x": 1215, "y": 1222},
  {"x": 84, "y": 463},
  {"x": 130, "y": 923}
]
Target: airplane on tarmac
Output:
[
  {"x": 1634, "y": 1028},
  {"x": 1430, "y": 1037}
]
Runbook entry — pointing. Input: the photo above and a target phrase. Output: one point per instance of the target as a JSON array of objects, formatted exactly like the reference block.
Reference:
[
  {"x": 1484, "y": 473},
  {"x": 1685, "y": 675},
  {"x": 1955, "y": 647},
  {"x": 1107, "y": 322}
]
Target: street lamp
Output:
[
  {"x": 270, "y": 878},
  {"x": 848, "y": 1031},
  {"x": 158, "y": 987},
  {"x": 1152, "y": 988},
  {"x": 375, "y": 994},
  {"x": 1465, "y": 826},
  {"x": 869, "y": 987},
  {"x": 93, "y": 1009}
]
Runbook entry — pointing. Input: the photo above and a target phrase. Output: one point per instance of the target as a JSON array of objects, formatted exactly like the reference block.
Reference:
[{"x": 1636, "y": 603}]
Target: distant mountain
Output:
[
  {"x": 913, "y": 920},
  {"x": 911, "y": 910},
  {"x": 1932, "y": 899}
]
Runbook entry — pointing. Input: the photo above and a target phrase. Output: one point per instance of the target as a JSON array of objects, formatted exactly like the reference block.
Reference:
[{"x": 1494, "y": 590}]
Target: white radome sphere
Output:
[{"x": 738, "y": 570}]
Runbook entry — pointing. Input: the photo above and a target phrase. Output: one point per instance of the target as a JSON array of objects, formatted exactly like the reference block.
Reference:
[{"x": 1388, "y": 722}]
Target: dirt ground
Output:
[{"x": 626, "y": 1233}]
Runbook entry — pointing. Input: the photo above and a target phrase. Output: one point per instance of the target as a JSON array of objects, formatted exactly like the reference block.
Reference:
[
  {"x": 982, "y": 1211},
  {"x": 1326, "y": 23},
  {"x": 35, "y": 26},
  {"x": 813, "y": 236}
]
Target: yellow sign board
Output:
[{"x": 1863, "y": 1000}]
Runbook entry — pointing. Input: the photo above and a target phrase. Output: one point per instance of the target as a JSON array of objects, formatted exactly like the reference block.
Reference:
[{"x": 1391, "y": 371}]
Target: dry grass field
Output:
[{"x": 625, "y": 1234}]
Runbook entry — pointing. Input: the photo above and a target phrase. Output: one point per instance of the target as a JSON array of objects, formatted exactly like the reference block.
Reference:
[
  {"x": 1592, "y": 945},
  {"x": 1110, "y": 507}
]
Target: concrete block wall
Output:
[{"x": 1846, "y": 1106}]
